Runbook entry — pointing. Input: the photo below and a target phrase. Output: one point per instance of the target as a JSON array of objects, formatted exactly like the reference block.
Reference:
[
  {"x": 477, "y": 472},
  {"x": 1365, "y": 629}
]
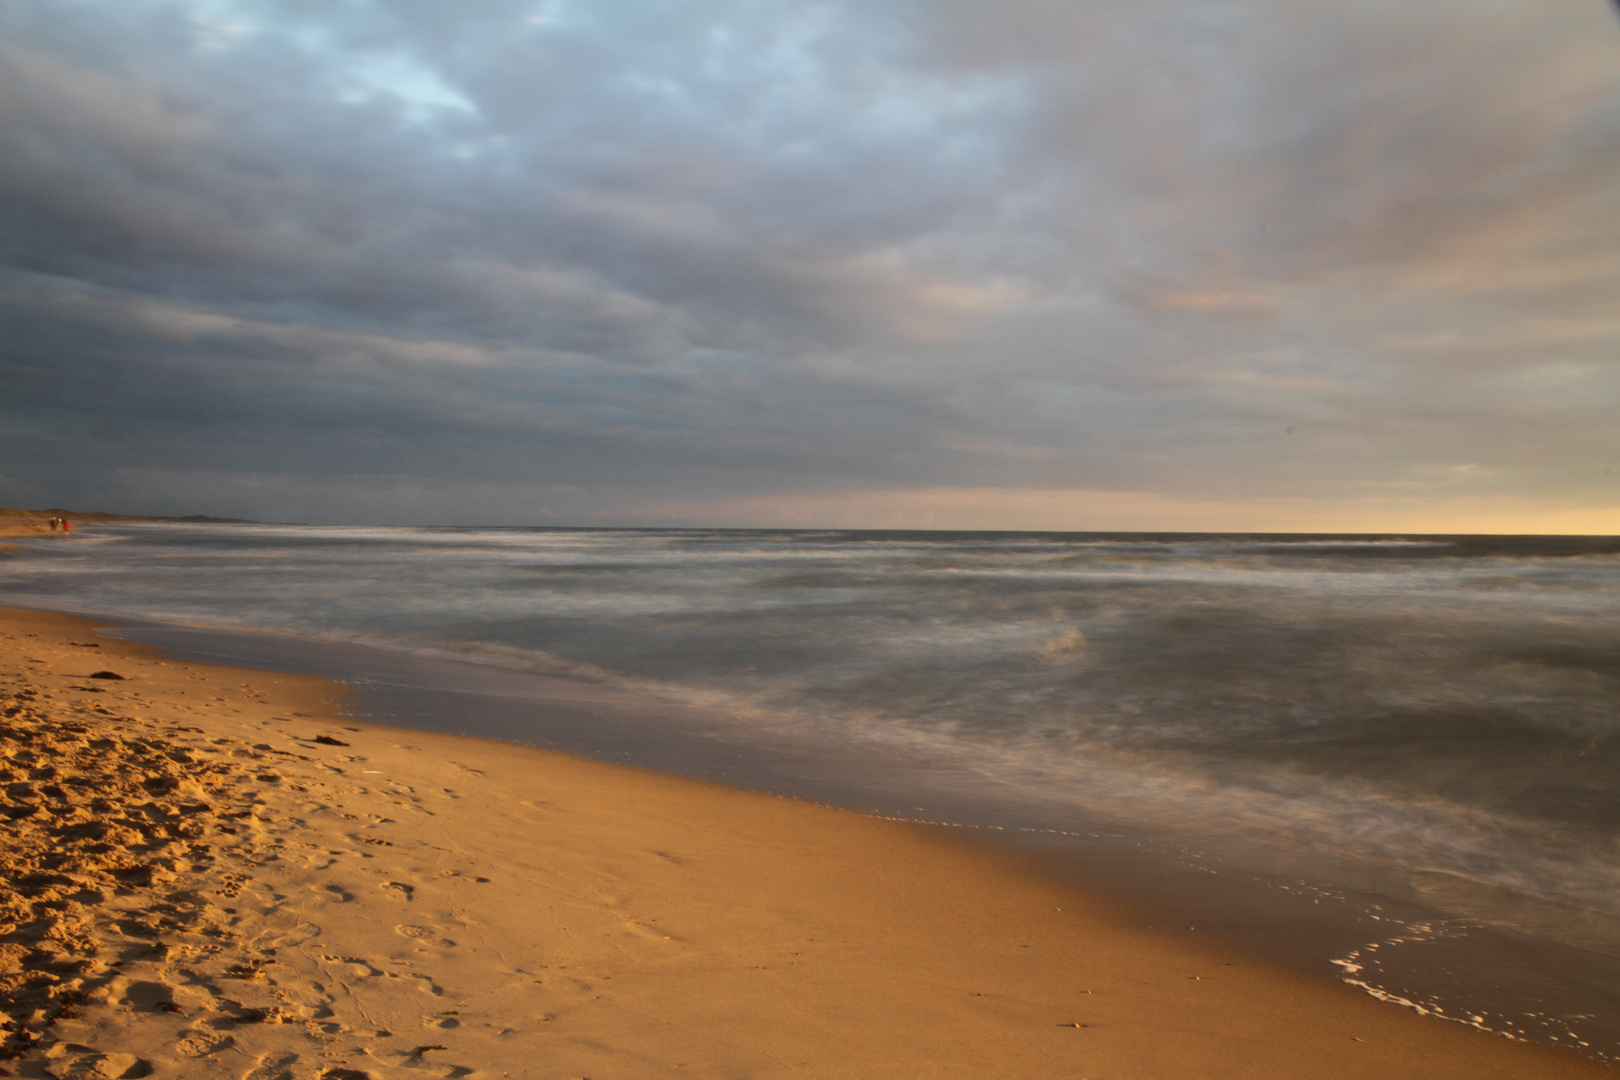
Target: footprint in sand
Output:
[
  {"x": 398, "y": 890},
  {"x": 357, "y": 967},
  {"x": 202, "y": 1043},
  {"x": 420, "y": 1060},
  {"x": 303, "y": 1009},
  {"x": 424, "y": 934},
  {"x": 302, "y": 934},
  {"x": 146, "y": 996},
  {"x": 232, "y": 885},
  {"x": 426, "y": 984},
  {"x": 272, "y": 1066},
  {"x": 71, "y": 1061}
]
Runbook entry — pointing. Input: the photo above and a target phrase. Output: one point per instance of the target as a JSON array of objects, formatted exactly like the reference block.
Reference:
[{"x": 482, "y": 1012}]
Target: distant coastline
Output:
[{"x": 15, "y": 521}]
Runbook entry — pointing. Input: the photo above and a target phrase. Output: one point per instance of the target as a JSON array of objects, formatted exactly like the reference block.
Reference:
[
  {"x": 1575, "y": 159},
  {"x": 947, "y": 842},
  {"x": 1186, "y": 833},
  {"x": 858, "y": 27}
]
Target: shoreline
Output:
[
  {"x": 1323, "y": 917},
  {"x": 630, "y": 923}
]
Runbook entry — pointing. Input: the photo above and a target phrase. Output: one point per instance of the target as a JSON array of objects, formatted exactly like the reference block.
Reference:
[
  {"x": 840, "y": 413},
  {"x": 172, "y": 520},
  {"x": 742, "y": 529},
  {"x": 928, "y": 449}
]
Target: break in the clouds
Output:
[{"x": 1162, "y": 264}]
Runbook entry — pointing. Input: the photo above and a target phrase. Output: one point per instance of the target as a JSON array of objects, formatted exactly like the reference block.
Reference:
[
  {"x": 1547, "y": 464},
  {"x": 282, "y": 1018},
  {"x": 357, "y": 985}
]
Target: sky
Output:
[{"x": 1183, "y": 265}]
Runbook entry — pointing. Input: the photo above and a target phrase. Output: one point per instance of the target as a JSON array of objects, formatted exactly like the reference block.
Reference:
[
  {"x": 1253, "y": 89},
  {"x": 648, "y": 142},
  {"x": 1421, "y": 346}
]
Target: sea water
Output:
[{"x": 1435, "y": 719}]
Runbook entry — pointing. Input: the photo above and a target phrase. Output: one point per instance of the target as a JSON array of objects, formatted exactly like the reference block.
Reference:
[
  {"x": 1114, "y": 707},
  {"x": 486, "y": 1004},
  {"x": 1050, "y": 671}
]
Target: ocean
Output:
[{"x": 1419, "y": 732}]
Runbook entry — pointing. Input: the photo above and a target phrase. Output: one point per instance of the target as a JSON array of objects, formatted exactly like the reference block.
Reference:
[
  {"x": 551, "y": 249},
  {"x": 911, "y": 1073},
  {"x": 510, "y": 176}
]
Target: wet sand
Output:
[
  {"x": 24, "y": 527},
  {"x": 211, "y": 871}
]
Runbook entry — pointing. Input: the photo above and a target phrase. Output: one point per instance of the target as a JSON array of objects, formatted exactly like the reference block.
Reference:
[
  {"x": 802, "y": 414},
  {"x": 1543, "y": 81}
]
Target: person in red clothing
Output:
[{"x": 67, "y": 526}]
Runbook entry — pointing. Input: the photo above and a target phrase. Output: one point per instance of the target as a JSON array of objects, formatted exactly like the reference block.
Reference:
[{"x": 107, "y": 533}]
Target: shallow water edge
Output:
[{"x": 1314, "y": 912}]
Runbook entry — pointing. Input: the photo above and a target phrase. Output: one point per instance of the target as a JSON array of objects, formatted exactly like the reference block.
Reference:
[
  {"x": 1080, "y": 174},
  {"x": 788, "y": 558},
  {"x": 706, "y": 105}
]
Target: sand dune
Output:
[{"x": 211, "y": 872}]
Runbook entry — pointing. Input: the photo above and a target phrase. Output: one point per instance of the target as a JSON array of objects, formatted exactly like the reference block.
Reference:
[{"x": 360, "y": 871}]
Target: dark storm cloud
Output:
[{"x": 617, "y": 259}]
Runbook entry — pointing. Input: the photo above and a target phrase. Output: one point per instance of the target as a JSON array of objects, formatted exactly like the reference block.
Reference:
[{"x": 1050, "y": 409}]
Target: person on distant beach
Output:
[
  {"x": 53, "y": 524},
  {"x": 65, "y": 526}
]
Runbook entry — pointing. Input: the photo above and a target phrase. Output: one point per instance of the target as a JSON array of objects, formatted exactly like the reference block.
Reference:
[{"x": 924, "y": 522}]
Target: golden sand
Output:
[{"x": 210, "y": 872}]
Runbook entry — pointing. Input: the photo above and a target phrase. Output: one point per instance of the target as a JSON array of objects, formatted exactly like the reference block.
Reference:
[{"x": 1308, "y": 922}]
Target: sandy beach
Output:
[
  {"x": 36, "y": 524},
  {"x": 33, "y": 524},
  {"x": 22, "y": 525},
  {"x": 213, "y": 872}
]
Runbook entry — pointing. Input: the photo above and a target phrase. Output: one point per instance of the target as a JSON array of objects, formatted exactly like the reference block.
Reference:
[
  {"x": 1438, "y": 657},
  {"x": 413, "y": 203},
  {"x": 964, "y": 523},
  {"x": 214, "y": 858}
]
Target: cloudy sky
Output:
[{"x": 1082, "y": 264}]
